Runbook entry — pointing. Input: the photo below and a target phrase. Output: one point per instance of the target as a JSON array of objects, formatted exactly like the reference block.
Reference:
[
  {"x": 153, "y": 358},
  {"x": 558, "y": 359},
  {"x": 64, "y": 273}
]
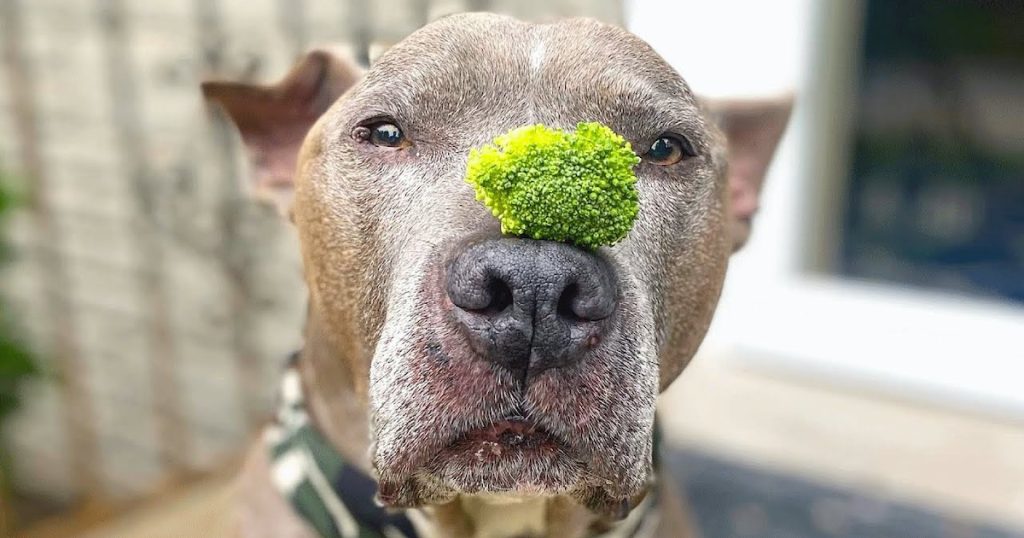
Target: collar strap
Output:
[
  {"x": 337, "y": 499},
  {"x": 334, "y": 498}
]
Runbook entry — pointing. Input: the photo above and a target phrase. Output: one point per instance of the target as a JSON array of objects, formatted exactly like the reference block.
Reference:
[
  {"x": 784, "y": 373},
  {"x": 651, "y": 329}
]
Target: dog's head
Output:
[{"x": 489, "y": 363}]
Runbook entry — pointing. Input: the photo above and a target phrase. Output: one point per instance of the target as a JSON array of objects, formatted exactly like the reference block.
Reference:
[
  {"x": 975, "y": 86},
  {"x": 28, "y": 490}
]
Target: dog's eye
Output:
[
  {"x": 382, "y": 134},
  {"x": 386, "y": 134},
  {"x": 670, "y": 149}
]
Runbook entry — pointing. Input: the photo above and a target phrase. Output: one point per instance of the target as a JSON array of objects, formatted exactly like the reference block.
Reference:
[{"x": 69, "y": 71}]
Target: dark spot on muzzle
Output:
[{"x": 531, "y": 305}]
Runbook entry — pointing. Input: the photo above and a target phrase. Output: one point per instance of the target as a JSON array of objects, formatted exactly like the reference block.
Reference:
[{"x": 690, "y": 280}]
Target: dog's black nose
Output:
[{"x": 531, "y": 305}]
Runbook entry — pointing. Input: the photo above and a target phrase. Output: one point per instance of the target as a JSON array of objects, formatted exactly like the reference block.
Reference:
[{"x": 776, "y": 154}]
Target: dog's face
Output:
[{"x": 392, "y": 236}]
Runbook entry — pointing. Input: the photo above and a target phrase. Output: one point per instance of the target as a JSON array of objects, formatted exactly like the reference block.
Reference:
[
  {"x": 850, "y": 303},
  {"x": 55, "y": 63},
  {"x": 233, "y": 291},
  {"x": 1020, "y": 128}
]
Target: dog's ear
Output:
[
  {"x": 273, "y": 119},
  {"x": 752, "y": 130}
]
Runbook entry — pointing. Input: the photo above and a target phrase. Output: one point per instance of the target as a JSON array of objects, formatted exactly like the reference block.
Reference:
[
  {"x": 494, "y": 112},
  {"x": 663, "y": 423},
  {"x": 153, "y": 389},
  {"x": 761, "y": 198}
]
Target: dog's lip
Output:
[
  {"x": 504, "y": 437},
  {"x": 512, "y": 431}
]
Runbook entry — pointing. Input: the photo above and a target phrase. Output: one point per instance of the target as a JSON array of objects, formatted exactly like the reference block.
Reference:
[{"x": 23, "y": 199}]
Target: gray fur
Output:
[
  {"x": 404, "y": 210},
  {"x": 392, "y": 381}
]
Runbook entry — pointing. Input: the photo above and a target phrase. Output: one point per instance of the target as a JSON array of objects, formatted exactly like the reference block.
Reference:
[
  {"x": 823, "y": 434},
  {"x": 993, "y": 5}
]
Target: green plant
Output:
[
  {"x": 576, "y": 187},
  {"x": 16, "y": 363}
]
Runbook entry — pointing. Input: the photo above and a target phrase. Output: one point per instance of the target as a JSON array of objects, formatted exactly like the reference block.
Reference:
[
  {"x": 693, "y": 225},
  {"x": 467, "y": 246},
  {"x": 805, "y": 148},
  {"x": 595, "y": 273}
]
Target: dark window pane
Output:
[{"x": 936, "y": 194}]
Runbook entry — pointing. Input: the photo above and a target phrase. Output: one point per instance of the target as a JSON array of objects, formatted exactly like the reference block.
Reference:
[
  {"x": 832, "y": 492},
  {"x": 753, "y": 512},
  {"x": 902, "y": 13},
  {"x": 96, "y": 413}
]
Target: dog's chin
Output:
[{"x": 512, "y": 457}]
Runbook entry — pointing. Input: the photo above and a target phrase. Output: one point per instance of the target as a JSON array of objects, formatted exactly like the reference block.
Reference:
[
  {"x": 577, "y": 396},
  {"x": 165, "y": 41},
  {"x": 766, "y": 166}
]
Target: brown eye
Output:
[
  {"x": 382, "y": 134},
  {"x": 669, "y": 149}
]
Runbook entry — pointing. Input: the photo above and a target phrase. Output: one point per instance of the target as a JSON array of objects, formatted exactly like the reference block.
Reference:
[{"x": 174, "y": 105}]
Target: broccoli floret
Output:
[{"x": 545, "y": 183}]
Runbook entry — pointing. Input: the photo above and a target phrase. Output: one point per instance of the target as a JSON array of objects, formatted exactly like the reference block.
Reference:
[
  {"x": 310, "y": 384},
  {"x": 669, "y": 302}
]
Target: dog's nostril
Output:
[
  {"x": 501, "y": 297},
  {"x": 567, "y": 300},
  {"x": 586, "y": 301}
]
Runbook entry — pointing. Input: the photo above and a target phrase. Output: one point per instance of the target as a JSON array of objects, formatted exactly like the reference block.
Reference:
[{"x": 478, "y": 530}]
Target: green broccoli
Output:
[{"x": 550, "y": 184}]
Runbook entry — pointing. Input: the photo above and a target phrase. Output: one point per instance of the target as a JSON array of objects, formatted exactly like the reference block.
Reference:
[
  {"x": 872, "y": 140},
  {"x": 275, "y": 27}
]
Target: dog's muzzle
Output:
[{"x": 530, "y": 305}]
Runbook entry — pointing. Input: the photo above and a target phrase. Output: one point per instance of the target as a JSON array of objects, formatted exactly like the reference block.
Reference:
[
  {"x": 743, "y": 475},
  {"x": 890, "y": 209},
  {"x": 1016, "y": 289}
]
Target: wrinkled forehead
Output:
[{"x": 500, "y": 72}]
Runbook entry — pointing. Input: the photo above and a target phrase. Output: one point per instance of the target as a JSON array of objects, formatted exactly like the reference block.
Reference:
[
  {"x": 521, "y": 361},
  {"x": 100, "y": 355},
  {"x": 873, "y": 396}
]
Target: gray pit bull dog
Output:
[{"x": 522, "y": 412}]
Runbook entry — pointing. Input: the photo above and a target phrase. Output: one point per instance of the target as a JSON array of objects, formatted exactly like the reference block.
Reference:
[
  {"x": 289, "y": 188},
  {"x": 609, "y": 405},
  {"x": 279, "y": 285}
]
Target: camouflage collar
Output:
[{"x": 334, "y": 498}]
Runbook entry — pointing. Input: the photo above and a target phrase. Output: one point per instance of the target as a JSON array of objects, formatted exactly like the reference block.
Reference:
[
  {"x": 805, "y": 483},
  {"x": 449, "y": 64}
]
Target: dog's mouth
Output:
[
  {"x": 514, "y": 454},
  {"x": 512, "y": 436}
]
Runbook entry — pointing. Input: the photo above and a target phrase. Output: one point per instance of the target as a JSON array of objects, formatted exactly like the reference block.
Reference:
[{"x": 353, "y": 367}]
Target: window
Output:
[
  {"x": 936, "y": 190},
  {"x": 828, "y": 289}
]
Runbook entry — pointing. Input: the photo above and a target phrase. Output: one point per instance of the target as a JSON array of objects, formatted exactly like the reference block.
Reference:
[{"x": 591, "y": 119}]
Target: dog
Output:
[{"x": 529, "y": 408}]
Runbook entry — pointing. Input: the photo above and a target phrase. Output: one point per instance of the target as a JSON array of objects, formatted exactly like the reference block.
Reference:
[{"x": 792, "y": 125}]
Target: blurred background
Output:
[{"x": 864, "y": 375}]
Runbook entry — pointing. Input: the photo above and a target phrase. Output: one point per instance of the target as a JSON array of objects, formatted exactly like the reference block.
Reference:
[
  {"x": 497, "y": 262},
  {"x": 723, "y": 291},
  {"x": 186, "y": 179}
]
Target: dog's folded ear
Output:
[
  {"x": 752, "y": 129},
  {"x": 273, "y": 119}
]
